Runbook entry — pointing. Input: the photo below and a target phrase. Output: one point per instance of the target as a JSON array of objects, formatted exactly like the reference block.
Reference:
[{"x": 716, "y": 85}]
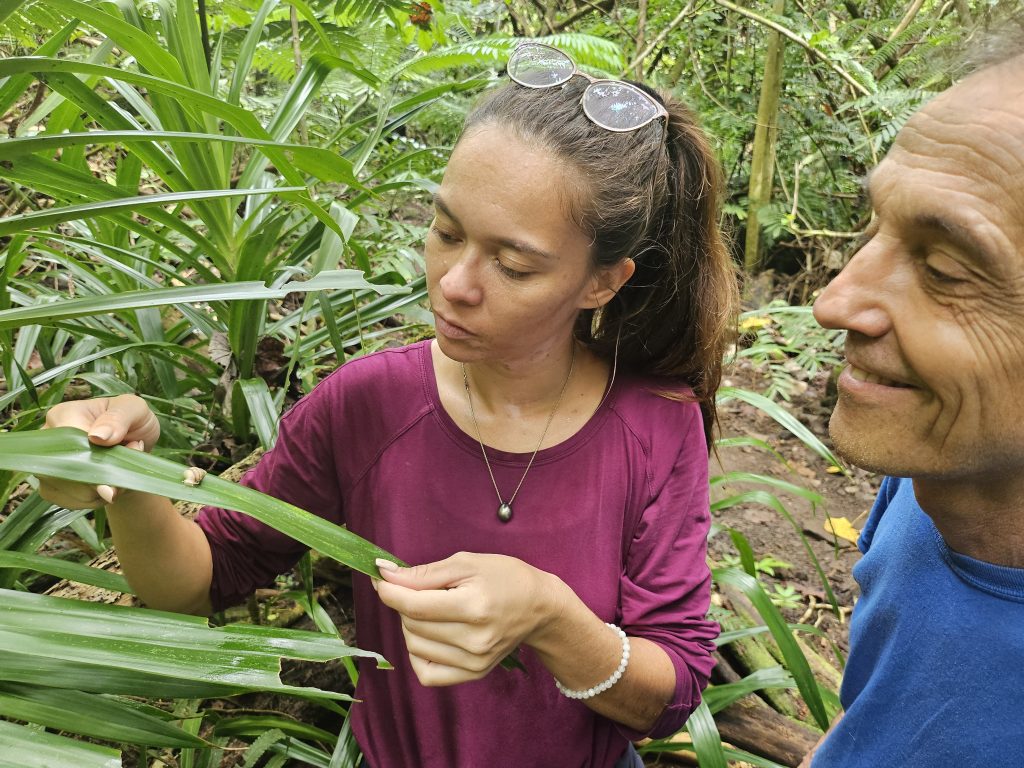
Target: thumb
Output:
[
  {"x": 443, "y": 574},
  {"x": 126, "y": 418}
]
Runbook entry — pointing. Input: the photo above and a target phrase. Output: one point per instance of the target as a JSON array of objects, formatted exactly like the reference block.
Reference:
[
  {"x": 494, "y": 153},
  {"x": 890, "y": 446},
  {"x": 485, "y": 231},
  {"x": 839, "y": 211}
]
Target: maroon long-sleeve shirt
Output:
[{"x": 619, "y": 512}]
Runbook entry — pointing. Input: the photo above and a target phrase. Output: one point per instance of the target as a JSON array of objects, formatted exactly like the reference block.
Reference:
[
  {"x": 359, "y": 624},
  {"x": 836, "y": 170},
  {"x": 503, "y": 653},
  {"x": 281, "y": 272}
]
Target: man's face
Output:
[{"x": 934, "y": 301}]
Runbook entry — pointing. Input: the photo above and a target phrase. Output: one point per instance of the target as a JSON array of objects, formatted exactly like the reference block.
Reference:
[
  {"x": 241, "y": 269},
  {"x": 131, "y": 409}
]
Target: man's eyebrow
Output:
[
  {"x": 958, "y": 234},
  {"x": 505, "y": 242}
]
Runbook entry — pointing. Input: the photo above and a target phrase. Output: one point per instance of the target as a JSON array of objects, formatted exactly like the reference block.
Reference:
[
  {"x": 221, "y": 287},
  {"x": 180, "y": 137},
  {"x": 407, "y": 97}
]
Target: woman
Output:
[{"x": 543, "y": 460}]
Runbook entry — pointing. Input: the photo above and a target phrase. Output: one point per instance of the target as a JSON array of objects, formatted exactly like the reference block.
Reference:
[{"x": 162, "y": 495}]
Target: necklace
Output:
[{"x": 505, "y": 507}]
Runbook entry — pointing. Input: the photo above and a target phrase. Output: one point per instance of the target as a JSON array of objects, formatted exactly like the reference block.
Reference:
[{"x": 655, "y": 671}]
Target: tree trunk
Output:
[{"x": 762, "y": 166}]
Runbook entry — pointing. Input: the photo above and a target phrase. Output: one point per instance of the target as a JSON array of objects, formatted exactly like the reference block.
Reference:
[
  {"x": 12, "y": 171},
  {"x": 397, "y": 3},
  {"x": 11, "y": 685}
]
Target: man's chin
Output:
[{"x": 874, "y": 450}]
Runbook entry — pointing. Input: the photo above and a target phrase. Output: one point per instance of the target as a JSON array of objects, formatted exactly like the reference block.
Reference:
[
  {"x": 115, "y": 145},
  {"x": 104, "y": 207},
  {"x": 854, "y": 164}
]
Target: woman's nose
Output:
[{"x": 460, "y": 283}]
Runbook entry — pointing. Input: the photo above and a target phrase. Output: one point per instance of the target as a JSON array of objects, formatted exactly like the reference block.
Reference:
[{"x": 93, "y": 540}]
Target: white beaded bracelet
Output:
[{"x": 589, "y": 693}]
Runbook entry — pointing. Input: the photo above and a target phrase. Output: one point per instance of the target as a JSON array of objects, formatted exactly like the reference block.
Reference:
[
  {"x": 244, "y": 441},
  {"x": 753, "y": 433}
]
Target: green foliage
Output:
[{"x": 788, "y": 345}]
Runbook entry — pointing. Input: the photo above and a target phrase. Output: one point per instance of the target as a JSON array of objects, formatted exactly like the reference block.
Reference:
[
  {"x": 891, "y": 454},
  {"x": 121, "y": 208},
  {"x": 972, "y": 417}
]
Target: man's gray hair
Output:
[{"x": 987, "y": 49}]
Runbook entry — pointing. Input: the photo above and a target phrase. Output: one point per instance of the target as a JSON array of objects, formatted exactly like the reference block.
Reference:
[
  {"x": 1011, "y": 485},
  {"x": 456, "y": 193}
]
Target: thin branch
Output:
[
  {"x": 641, "y": 32},
  {"x": 790, "y": 35},
  {"x": 297, "y": 53},
  {"x": 604, "y": 6},
  {"x": 687, "y": 11},
  {"x": 907, "y": 18}
]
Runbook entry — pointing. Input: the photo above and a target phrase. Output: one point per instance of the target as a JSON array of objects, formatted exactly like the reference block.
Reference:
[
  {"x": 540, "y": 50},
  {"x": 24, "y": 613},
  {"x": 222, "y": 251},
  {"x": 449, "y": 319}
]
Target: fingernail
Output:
[
  {"x": 385, "y": 565},
  {"x": 105, "y": 492},
  {"x": 101, "y": 433},
  {"x": 137, "y": 445},
  {"x": 373, "y": 583}
]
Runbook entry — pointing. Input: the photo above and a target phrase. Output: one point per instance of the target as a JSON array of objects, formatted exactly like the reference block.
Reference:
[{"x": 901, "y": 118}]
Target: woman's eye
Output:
[
  {"x": 444, "y": 237},
  {"x": 513, "y": 274}
]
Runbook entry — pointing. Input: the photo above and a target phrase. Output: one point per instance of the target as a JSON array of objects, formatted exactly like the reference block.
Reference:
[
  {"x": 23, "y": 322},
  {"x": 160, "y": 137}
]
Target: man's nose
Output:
[{"x": 857, "y": 299}]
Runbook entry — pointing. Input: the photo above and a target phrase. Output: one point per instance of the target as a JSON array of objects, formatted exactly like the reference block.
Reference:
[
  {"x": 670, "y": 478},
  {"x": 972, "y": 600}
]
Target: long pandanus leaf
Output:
[
  {"x": 66, "y": 453},
  {"x": 127, "y": 651},
  {"x": 24, "y": 747},
  {"x": 50, "y": 313}
]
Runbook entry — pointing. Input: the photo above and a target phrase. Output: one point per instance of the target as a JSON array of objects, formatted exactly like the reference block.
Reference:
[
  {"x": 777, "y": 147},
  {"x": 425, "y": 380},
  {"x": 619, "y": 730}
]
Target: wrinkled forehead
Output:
[{"x": 973, "y": 132}]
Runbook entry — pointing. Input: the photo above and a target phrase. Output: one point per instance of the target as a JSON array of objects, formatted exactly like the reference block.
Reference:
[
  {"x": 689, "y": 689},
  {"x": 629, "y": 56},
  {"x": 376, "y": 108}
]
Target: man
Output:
[{"x": 934, "y": 308}]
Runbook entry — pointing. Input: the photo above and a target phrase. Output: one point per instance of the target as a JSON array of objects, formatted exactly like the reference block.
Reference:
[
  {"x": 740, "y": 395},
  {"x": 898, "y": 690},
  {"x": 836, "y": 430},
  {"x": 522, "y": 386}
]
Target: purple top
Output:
[{"x": 619, "y": 511}]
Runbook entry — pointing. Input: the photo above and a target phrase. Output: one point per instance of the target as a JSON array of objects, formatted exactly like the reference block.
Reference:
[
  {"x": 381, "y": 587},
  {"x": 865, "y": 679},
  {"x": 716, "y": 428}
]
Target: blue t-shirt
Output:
[{"x": 935, "y": 676}]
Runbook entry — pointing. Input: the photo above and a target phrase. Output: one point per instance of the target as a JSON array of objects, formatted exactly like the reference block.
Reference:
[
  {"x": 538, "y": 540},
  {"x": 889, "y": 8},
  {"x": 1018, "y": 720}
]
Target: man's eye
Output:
[{"x": 943, "y": 269}]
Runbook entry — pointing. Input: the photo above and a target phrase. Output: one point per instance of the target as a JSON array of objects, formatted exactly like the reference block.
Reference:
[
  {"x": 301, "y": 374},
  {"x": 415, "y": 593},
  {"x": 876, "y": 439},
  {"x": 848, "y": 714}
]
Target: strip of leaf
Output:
[
  {"x": 62, "y": 569},
  {"x": 796, "y": 663},
  {"x": 66, "y": 453},
  {"x": 782, "y": 416},
  {"x": 90, "y": 714},
  {"x": 47, "y": 314},
  {"x": 23, "y": 747}
]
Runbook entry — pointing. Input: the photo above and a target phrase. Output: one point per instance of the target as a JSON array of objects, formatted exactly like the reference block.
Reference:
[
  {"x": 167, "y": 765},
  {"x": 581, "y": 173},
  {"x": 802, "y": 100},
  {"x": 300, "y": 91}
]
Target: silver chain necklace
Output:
[{"x": 505, "y": 507}]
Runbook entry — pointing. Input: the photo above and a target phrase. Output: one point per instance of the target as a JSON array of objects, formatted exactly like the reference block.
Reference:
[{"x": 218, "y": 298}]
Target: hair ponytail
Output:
[{"x": 651, "y": 198}]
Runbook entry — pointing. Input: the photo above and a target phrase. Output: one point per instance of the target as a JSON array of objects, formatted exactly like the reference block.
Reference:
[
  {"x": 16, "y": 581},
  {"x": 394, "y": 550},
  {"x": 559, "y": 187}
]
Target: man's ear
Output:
[{"x": 607, "y": 282}]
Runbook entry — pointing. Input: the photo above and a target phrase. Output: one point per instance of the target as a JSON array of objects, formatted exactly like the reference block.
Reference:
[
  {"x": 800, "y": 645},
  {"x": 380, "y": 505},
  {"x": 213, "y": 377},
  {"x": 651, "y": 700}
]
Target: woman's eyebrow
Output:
[
  {"x": 505, "y": 242},
  {"x": 440, "y": 205}
]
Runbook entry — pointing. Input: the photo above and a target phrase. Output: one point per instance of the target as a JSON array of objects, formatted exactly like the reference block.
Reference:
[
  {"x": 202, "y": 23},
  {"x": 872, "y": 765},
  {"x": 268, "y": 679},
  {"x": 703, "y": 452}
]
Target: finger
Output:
[
  {"x": 432, "y": 674},
  {"x": 425, "y": 605},
  {"x": 127, "y": 418},
  {"x": 442, "y": 574},
  {"x": 449, "y": 654},
  {"x": 80, "y": 414}
]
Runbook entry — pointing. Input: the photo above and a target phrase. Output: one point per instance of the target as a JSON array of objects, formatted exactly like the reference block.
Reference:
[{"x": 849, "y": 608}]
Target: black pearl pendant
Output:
[{"x": 504, "y": 512}]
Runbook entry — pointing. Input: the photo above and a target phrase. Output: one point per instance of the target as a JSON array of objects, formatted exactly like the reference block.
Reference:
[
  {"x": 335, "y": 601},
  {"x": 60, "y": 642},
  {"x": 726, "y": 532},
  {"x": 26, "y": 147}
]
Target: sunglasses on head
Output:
[{"x": 611, "y": 104}]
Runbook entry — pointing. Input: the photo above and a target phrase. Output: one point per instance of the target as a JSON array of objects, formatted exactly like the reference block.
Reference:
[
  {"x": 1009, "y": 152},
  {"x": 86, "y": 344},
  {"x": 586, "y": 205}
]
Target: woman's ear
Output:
[{"x": 607, "y": 282}]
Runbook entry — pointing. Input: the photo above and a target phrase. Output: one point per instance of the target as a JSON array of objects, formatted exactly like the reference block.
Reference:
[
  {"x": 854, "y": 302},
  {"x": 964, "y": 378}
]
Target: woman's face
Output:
[{"x": 507, "y": 269}]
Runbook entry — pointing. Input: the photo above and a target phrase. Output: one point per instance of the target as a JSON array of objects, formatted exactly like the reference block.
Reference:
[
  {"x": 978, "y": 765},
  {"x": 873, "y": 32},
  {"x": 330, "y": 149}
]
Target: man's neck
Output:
[{"x": 984, "y": 520}]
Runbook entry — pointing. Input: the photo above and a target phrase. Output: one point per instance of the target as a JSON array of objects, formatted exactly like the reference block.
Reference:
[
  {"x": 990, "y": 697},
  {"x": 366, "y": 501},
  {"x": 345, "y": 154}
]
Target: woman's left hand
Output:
[{"x": 461, "y": 616}]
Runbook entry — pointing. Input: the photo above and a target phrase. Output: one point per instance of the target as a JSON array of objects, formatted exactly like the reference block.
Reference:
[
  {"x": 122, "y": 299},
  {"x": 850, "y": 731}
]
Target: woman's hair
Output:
[{"x": 646, "y": 198}]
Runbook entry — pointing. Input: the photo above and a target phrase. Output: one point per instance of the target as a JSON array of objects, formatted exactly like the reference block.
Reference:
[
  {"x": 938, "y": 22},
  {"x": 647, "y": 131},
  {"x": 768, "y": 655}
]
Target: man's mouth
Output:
[{"x": 873, "y": 378}]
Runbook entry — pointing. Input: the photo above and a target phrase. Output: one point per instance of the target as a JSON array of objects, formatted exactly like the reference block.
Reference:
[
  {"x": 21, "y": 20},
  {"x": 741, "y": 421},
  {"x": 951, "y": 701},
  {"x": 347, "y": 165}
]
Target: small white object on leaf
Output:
[{"x": 193, "y": 476}]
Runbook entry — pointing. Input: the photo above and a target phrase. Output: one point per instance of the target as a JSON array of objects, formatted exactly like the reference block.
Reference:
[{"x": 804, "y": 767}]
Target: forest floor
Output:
[{"x": 848, "y": 494}]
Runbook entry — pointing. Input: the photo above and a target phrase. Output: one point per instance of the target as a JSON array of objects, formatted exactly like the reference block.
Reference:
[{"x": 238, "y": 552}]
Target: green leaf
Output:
[
  {"x": 796, "y": 663},
  {"x": 25, "y": 747},
  {"x": 90, "y": 714},
  {"x": 782, "y": 416},
  {"x": 706, "y": 741},
  {"x": 47, "y": 314},
  {"x": 140, "y": 652},
  {"x": 718, "y": 697},
  {"x": 82, "y": 574},
  {"x": 21, "y": 222},
  {"x": 262, "y": 410},
  {"x": 67, "y": 453}
]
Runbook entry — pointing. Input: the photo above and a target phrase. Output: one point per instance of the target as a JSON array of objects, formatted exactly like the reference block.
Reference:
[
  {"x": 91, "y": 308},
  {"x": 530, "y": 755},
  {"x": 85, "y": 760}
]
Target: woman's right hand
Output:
[{"x": 122, "y": 420}]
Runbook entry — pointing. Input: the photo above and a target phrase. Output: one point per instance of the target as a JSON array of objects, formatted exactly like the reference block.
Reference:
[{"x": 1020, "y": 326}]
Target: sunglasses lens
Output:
[
  {"x": 538, "y": 66},
  {"x": 618, "y": 106}
]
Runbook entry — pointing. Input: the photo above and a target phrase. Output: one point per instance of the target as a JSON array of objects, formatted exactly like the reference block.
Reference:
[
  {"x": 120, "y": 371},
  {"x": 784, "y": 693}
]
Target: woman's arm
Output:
[{"x": 166, "y": 558}]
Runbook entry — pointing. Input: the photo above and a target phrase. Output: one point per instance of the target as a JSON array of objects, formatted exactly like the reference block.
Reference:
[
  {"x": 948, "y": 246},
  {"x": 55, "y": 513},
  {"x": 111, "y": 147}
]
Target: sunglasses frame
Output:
[{"x": 660, "y": 113}]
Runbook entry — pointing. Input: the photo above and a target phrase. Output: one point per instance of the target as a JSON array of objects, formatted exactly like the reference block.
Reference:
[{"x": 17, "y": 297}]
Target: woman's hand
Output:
[
  {"x": 122, "y": 420},
  {"x": 463, "y": 615}
]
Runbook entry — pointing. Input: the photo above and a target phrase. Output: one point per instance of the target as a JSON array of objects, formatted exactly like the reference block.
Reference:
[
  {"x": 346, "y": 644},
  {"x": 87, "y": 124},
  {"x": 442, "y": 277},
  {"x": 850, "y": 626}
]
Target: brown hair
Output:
[{"x": 653, "y": 199}]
